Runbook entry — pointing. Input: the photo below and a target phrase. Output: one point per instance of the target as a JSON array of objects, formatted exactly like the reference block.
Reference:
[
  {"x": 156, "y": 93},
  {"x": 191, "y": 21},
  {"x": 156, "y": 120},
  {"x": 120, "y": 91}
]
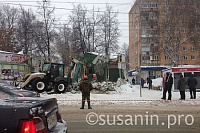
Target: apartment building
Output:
[{"x": 164, "y": 32}]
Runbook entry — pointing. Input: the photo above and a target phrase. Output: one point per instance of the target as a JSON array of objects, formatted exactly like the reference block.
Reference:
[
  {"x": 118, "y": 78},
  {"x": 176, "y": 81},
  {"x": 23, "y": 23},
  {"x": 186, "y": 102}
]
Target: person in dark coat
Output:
[
  {"x": 85, "y": 87},
  {"x": 168, "y": 86},
  {"x": 142, "y": 82},
  {"x": 133, "y": 81},
  {"x": 149, "y": 81},
  {"x": 192, "y": 83},
  {"x": 181, "y": 87}
]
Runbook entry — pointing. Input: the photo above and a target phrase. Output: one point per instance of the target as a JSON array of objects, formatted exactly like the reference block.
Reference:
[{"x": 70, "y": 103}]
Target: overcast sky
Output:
[{"x": 62, "y": 12}]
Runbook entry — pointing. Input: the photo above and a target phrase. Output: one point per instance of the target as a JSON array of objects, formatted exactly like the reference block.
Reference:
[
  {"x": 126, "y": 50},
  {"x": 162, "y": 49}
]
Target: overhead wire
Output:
[
  {"x": 61, "y": 8},
  {"x": 69, "y": 2},
  {"x": 37, "y": 6}
]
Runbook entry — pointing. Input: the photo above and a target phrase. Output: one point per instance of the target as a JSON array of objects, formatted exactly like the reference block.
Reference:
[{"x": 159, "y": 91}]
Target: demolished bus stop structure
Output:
[{"x": 98, "y": 67}]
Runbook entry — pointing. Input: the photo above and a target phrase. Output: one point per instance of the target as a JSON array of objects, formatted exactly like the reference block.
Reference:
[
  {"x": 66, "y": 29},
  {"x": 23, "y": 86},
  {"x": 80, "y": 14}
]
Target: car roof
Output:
[{"x": 7, "y": 86}]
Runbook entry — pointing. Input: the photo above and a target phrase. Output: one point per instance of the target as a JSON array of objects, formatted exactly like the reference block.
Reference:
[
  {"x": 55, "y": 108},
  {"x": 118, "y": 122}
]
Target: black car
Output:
[
  {"x": 16, "y": 92},
  {"x": 30, "y": 115}
]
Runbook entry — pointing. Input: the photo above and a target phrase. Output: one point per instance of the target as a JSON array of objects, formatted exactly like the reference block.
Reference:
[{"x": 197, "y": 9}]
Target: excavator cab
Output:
[{"x": 53, "y": 70}]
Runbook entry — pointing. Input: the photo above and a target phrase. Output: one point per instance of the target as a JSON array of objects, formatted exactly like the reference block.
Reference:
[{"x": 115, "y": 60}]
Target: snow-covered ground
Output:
[
  {"x": 124, "y": 94},
  {"x": 155, "y": 82}
]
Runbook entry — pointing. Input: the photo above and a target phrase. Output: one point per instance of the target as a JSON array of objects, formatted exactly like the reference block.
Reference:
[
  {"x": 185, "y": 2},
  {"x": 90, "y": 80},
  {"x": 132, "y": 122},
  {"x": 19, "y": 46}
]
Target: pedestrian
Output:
[
  {"x": 85, "y": 87},
  {"x": 168, "y": 82},
  {"x": 181, "y": 87},
  {"x": 149, "y": 82},
  {"x": 142, "y": 82},
  {"x": 192, "y": 83},
  {"x": 133, "y": 81}
]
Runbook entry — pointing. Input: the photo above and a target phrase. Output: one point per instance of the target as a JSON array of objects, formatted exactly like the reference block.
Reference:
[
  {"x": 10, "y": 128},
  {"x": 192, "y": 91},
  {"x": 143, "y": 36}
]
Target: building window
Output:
[
  {"x": 177, "y": 57},
  {"x": 184, "y": 39},
  {"x": 145, "y": 40},
  {"x": 152, "y": 4},
  {"x": 198, "y": 39},
  {"x": 184, "y": 30},
  {"x": 167, "y": 57},
  {"x": 149, "y": 5},
  {"x": 166, "y": 12},
  {"x": 185, "y": 57},
  {"x": 192, "y": 57},
  {"x": 166, "y": 3},
  {"x": 184, "y": 48},
  {"x": 177, "y": 30},
  {"x": 184, "y": 22},
  {"x": 192, "y": 48},
  {"x": 136, "y": 27},
  {"x": 191, "y": 39},
  {"x": 136, "y": 10},
  {"x": 154, "y": 32},
  {"x": 166, "y": 39},
  {"x": 145, "y": 5},
  {"x": 167, "y": 21},
  {"x": 166, "y": 31},
  {"x": 155, "y": 57},
  {"x": 144, "y": 32},
  {"x": 144, "y": 23}
]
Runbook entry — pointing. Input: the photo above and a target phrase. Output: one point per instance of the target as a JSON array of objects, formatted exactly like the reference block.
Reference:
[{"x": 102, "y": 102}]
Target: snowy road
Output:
[{"x": 175, "y": 116}]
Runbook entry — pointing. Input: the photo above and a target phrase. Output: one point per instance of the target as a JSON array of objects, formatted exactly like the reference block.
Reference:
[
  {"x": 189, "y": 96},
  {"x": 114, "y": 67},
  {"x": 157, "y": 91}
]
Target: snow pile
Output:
[
  {"x": 157, "y": 82},
  {"x": 126, "y": 88}
]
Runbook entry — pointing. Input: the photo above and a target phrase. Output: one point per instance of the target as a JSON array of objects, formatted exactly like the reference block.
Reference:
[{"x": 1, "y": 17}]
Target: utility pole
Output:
[
  {"x": 93, "y": 31},
  {"x": 140, "y": 75}
]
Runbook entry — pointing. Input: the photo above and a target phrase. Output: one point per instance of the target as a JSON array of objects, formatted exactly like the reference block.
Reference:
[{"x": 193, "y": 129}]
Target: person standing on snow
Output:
[
  {"x": 168, "y": 86},
  {"x": 181, "y": 87},
  {"x": 142, "y": 82},
  {"x": 85, "y": 87},
  {"x": 192, "y": 83},
  {"x": 149, "y": 81},
  {"x": 133, "y": 81}
]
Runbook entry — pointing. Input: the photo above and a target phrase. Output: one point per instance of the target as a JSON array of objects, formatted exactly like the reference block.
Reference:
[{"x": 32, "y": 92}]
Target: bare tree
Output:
[
  {"x": 125, "y": 50},
  {"x": 81, "y": 28},
  {"x": 8, "y": 17},
  {"x": 47, "y": 14},
  {"x": 24, "y": 30},
  {"x": 6, "y": 35},
  {"x": 109, "y": 31},
  {"x": 63, "y": 43}
]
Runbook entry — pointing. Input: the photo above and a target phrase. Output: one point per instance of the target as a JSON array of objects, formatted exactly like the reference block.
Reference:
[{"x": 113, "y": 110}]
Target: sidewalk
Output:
[{"x": 126, "y": 94}]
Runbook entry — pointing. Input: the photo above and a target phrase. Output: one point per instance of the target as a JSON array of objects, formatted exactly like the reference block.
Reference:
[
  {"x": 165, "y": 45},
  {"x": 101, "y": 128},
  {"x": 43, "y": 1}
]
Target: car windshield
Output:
[{"x": 46, "y": 67}]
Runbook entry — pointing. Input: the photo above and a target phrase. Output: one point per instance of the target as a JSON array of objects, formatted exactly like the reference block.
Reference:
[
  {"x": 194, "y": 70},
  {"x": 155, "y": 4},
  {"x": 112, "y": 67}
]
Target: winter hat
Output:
[{"x": 85, "y": 77}]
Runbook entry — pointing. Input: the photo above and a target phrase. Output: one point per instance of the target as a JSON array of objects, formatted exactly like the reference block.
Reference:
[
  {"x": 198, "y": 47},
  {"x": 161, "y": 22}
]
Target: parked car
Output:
[
  {"x": 16, "y": 92},
  {"x": 30, "y": 115}
]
